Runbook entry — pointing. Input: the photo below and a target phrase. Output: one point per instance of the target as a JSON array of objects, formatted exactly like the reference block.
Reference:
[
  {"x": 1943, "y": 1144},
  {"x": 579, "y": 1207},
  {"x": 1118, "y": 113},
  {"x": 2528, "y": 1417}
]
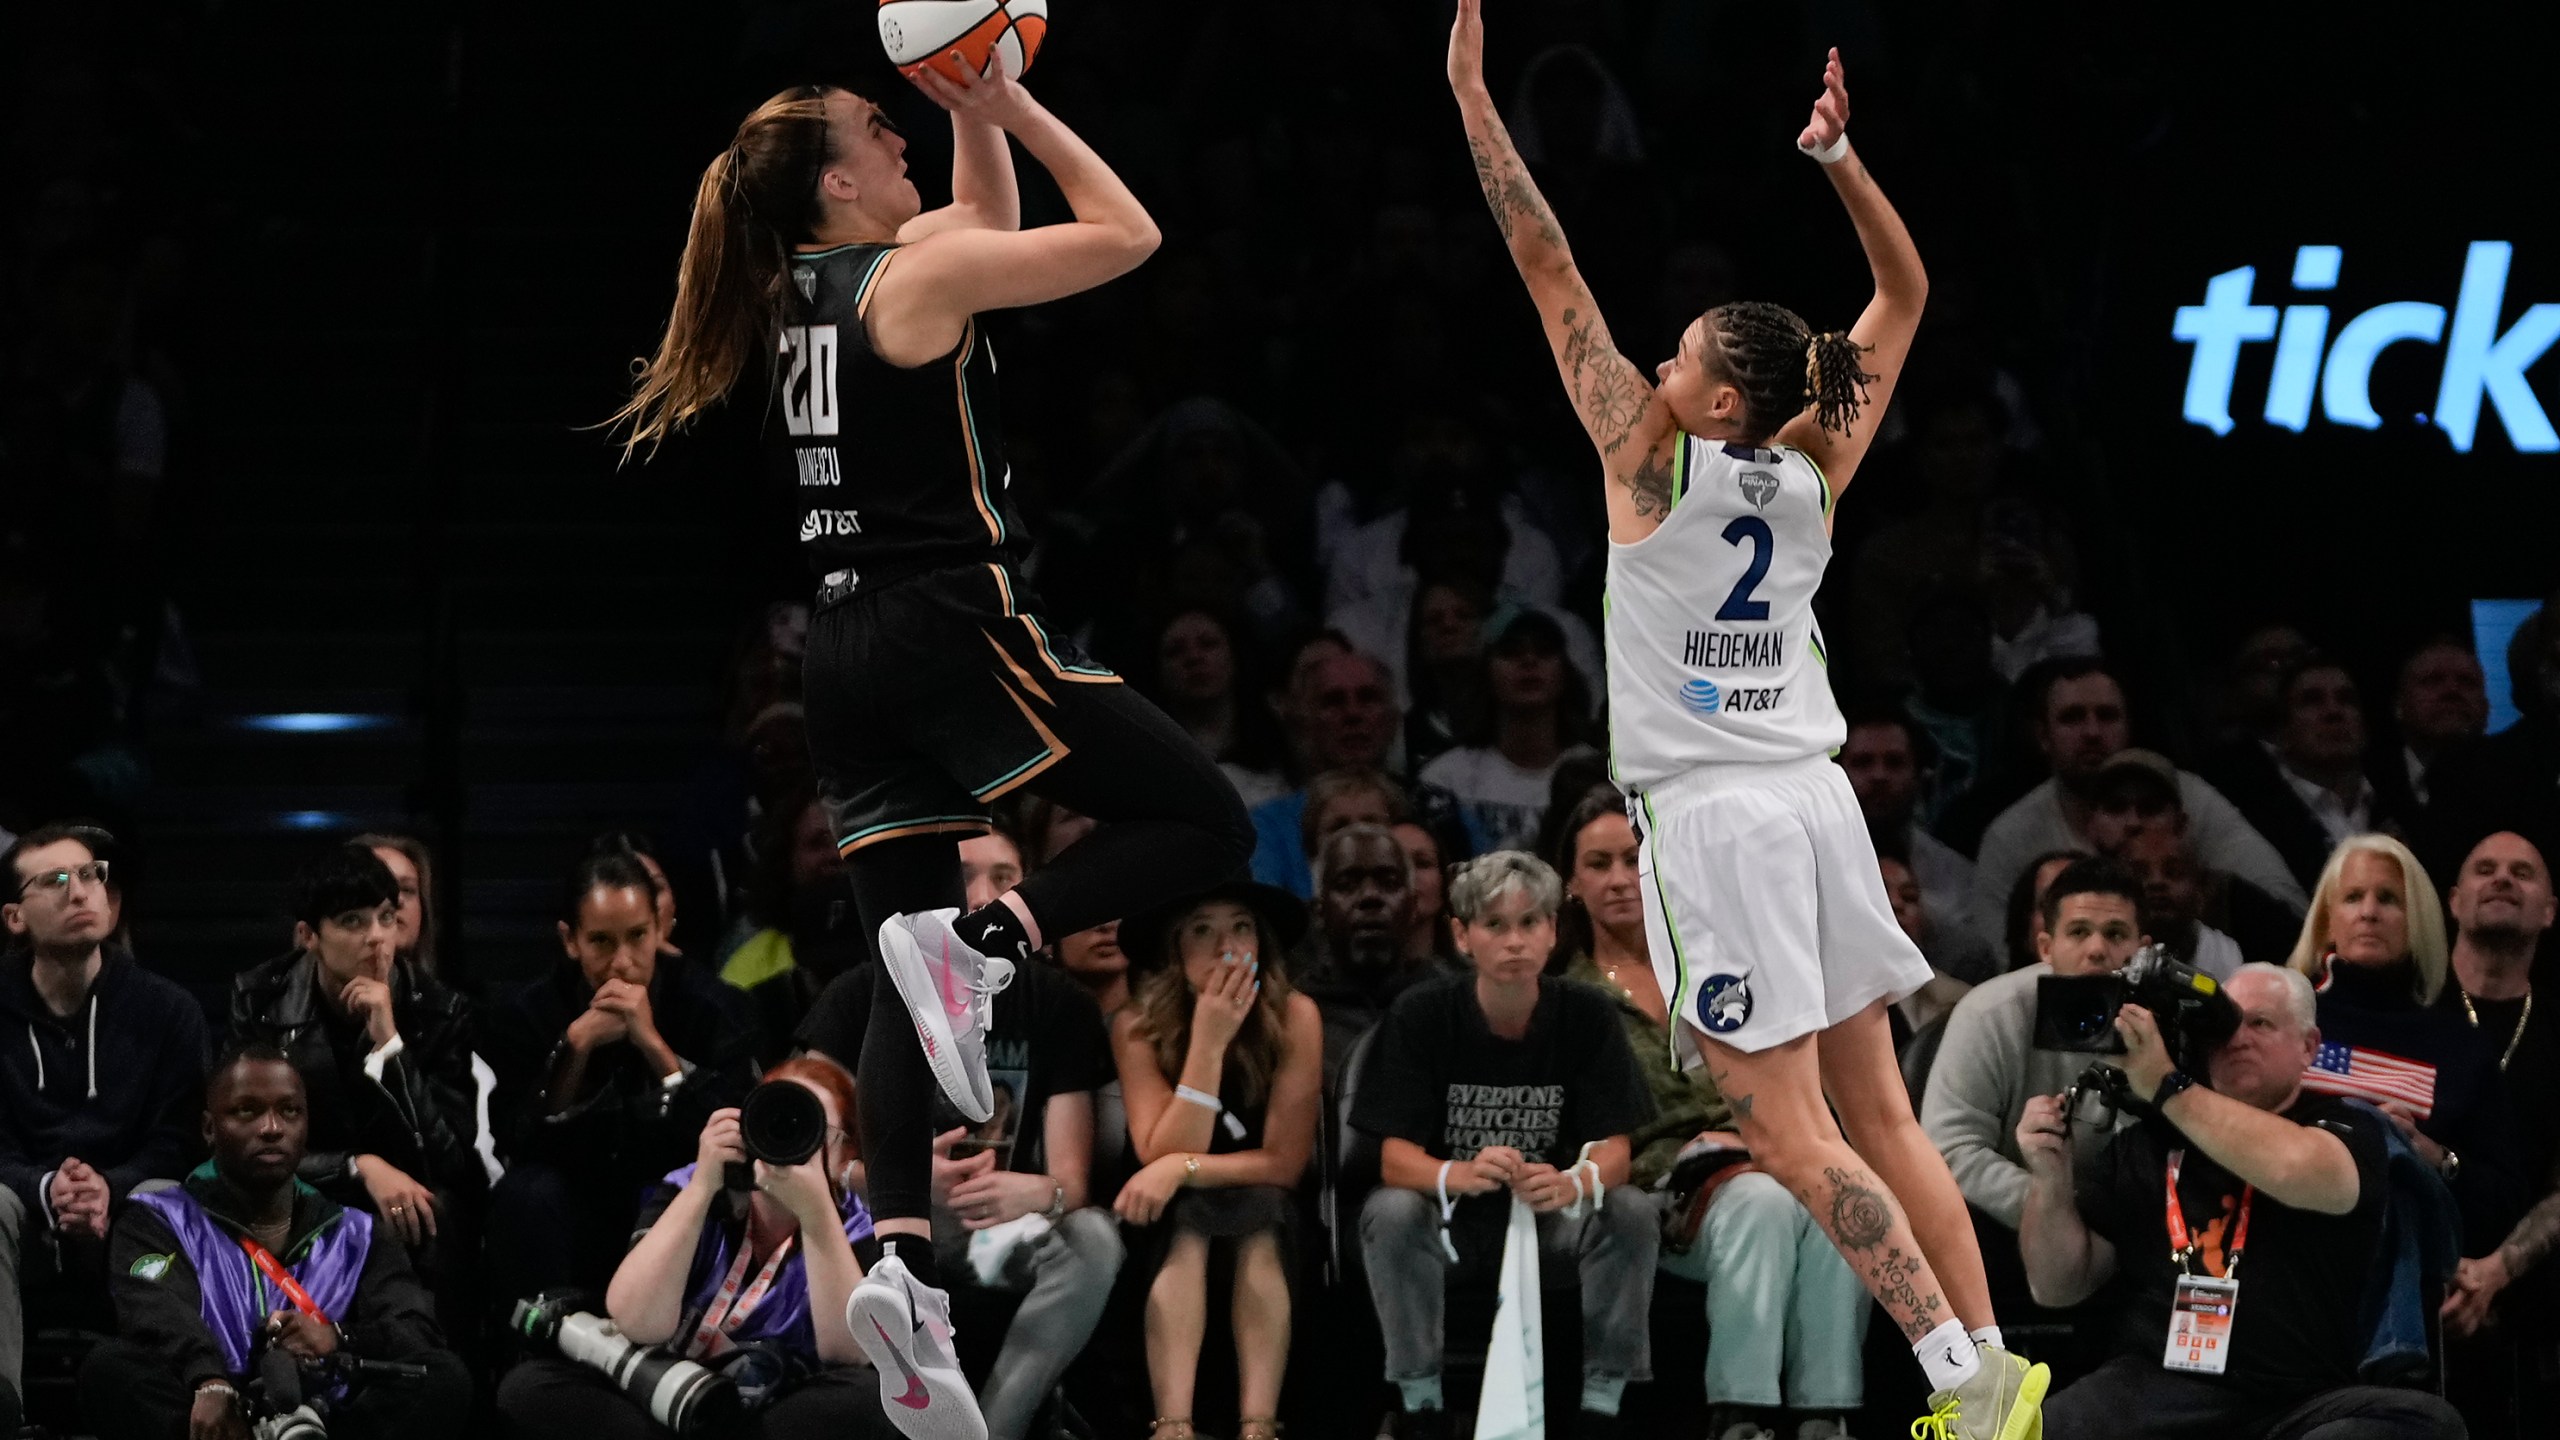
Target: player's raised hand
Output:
[
  {"x": 1831, "y": 112},
  {"x": 990, "y": 95},
  {"x": 1466, "y": 48}
]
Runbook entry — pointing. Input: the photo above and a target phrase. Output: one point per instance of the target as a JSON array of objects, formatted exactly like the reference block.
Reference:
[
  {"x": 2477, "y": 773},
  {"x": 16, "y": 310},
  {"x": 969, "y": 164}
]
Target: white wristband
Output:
[
  {"x": 1199, "y": 1097},
  {"x": 1830, "y": 154}
]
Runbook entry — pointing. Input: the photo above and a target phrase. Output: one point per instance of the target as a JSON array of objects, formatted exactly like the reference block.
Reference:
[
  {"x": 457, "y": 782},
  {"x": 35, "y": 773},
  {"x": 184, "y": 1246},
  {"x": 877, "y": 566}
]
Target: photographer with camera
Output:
[
  {"x": 748, "y": 1282},
  {"x": 245, "y": 1271},
  {"x": 2241, "y": 1164},
  {"x": 1994, "y": 1060}
]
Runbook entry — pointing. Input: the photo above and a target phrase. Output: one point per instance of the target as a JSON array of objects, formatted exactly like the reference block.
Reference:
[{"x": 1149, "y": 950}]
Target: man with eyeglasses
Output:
[{"x": 100, "y": 1061}]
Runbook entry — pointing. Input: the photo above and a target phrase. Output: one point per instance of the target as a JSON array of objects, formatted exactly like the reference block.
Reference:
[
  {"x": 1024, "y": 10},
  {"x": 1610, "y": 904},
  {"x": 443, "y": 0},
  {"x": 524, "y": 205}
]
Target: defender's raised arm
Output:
[{"x": 1609, "y": 392}]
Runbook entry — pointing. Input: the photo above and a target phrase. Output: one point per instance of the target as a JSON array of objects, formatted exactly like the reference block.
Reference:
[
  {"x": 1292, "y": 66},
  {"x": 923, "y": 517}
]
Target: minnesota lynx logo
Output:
[{"x": 1724, "y": 1003}]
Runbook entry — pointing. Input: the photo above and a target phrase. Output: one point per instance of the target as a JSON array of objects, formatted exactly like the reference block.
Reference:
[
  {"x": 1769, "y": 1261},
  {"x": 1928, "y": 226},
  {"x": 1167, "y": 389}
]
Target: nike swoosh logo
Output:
[
  {"x": 917, "y": 1397},
  {"x": 952, "y": 1004}
]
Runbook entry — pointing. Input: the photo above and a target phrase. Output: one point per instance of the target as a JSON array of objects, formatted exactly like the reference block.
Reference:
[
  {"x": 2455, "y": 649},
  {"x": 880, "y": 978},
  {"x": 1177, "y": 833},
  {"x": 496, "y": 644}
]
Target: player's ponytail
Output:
[
  {"x": 757, "y": 198},
  {"x": 1783, "y": 369},
  {"x": 1834, "y": 386}
]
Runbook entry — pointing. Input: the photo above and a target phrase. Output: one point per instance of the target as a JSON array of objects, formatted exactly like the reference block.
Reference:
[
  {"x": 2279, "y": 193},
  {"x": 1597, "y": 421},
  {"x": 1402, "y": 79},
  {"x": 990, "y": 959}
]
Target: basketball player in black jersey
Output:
[{"x": 932, "y": 687}]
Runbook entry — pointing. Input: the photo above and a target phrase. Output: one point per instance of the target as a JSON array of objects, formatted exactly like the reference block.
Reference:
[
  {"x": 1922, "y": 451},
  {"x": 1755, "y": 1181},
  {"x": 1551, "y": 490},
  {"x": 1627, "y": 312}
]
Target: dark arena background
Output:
[{"x": 309, "y": 525}]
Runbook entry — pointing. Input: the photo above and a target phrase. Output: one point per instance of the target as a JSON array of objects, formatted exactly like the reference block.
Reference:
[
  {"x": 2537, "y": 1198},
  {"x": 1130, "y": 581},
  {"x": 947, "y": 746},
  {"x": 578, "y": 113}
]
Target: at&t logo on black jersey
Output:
[{"x": 830, "y": 522}]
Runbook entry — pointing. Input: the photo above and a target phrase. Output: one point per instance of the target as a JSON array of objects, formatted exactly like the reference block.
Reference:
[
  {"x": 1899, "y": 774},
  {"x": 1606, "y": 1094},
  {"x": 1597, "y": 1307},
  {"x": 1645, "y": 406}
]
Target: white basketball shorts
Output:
[{"x": 1763, "y": 906}]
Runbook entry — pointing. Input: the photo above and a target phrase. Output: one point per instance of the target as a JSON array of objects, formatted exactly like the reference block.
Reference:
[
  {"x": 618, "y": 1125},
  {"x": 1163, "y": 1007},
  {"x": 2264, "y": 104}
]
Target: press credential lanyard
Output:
[
  {"x": 729, "y": 1309},
  {"x": 2200, "y": 1312}
]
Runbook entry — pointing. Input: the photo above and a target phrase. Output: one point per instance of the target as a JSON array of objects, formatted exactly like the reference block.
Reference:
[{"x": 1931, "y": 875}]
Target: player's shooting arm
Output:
[
  {"x": 983, "y": 193},
  {"x": 1611, "y": 395}
]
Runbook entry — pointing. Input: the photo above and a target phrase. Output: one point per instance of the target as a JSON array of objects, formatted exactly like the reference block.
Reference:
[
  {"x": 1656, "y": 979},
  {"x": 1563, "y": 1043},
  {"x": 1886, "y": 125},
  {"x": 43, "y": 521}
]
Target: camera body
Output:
[
  {"x": 290, "y": 1397},
  {"x": 687, "y": 1398},
  {"x": 2077, "y": 1013}
]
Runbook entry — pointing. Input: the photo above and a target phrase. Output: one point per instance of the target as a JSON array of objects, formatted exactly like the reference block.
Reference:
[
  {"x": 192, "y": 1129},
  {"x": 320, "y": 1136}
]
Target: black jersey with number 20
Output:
[{"x": 894, "y": 471}]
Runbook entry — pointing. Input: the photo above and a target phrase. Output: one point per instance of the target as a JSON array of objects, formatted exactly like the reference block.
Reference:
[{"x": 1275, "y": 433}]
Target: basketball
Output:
[{"x": 949, "y": 34}]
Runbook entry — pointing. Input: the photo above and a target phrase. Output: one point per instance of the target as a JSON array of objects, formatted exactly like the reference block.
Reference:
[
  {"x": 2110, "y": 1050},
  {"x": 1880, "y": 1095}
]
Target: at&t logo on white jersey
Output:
[{"x": 1706, "y": 697}]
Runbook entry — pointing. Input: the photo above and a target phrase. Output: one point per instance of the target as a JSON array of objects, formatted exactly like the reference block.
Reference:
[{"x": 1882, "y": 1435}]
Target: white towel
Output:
[{"x": 1514, "y": 1403}]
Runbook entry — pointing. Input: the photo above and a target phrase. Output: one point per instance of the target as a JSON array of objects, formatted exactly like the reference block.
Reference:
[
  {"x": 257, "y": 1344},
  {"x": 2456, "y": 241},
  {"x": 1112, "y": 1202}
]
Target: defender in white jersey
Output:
[{"x": 1762, "y": 898}]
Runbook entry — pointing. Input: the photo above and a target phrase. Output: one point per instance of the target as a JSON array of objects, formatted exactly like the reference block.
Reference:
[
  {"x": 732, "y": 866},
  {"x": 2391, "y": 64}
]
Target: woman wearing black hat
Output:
[{"x": 1220, "y": 1061}]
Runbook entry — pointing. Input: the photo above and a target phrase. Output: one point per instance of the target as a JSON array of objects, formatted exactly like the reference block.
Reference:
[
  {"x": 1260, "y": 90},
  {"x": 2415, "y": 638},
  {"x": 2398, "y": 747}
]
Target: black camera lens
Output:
[{"x": 782, "y": 1123}]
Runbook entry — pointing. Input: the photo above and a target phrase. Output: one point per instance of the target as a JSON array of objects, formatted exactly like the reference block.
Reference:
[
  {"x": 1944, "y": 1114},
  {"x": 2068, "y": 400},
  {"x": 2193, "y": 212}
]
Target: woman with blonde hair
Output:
[{"x": 2374, "y": 946}]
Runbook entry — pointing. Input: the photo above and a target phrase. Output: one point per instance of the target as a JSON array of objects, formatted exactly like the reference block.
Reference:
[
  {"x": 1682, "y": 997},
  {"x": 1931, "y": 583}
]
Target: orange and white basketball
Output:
[{"x": 949, "y": 34}]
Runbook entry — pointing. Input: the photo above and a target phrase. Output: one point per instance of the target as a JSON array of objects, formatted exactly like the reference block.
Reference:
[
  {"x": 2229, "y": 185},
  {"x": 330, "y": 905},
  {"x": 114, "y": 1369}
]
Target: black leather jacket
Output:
[{"x": 420, "y": 1116}]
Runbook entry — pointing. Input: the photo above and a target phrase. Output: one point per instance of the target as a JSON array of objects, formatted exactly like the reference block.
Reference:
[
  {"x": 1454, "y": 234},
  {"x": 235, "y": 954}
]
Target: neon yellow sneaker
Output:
[{"x": 2003, "y": 1401}]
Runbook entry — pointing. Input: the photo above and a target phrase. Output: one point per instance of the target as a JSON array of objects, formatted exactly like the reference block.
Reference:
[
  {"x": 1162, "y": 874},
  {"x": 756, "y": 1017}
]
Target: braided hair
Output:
[{"x": 1782, "y": 367}]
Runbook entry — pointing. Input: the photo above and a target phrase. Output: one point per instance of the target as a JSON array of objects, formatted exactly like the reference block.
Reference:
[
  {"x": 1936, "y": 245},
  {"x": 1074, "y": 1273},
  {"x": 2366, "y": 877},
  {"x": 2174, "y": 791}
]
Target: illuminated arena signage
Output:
[{"x": 2479, "y": 362}]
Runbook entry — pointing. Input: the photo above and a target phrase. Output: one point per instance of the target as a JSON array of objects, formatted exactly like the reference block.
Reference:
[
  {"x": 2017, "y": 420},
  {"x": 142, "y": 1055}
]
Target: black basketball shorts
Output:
[{"x": 934, "y": 696}]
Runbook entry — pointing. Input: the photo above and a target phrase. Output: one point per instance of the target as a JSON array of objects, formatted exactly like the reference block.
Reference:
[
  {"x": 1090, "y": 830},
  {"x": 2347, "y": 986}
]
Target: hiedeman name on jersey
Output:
[
  {"x": 1732, "y": 649},
  {"x": 819, "y": 466}
]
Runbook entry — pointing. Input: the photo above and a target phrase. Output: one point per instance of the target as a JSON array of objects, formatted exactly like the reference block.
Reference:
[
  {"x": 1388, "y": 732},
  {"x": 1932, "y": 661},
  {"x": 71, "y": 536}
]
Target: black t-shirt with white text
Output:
[
  {"x": 1440, "y": 1078},
  {"x": 1048, "y": 1039},
  {"x": 2302, "y": 1275}
]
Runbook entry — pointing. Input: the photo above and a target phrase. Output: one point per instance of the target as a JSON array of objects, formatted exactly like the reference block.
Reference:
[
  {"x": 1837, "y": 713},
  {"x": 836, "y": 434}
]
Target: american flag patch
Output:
[{"x": 2360, "y": 1073}]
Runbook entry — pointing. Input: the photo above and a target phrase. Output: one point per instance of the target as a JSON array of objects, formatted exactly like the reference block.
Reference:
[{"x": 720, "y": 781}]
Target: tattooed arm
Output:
[
  {"x": 2532, "y": 1239},
  {"x": 2478, "y": 1283},
  {"x": 1611, "y": 395}
]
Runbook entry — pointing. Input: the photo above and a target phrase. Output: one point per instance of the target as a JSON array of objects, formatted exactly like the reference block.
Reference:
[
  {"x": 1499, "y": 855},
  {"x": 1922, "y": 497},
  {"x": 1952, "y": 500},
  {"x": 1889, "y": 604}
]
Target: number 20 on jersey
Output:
[{"x": 809, "y": 379}]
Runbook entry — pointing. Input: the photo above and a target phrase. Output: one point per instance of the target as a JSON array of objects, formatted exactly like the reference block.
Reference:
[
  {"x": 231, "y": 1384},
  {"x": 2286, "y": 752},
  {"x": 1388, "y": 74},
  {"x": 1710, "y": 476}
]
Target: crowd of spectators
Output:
[{"x": 1440, "y": 1025}]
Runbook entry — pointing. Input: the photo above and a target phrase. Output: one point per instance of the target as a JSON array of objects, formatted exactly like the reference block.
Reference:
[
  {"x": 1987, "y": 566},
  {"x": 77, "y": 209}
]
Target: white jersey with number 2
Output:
[{"x": 1714, "y": 656}]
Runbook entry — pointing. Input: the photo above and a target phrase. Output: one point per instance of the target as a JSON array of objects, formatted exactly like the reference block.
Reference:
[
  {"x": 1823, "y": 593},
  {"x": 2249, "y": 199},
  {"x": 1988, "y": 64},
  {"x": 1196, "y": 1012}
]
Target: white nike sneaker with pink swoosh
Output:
[
  {"x": 905, "y": 1330},
  {"x": 950, "y": 990}
]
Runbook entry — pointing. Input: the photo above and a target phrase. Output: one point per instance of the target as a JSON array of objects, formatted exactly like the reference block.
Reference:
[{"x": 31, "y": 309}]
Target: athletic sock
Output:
[
  {"x": 1989, "y": 1335},
  {"x": 1421, "y": 1394},
  {"x": 916, "y": 1253},
  {"x": 993, "y": 929},
  {"x": 1947, "y": 1354},
  {"x": 1601, "y": 1393}
]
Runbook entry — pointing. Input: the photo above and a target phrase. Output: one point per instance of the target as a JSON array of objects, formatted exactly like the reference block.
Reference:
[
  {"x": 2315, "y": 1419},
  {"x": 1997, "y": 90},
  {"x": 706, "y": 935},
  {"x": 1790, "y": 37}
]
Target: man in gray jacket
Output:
[
  {"x": 2082, "y": 729},
  {"x": 1989, "y": 1068}
]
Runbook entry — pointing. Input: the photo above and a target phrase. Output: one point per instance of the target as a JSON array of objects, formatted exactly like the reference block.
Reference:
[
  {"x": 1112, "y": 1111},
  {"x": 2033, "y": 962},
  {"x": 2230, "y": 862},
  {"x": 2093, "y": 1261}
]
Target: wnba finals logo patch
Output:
[
  {"x": 1702, "y": 696},
  {"x": 1759, "y": 487},
  {"x": 1724, "y": 1003}
]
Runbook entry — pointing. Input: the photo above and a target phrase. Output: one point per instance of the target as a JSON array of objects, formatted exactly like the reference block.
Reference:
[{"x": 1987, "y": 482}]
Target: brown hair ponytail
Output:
[
  {"x": 757, "y": 199},
  {"x": 1834, "y": 386}
]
